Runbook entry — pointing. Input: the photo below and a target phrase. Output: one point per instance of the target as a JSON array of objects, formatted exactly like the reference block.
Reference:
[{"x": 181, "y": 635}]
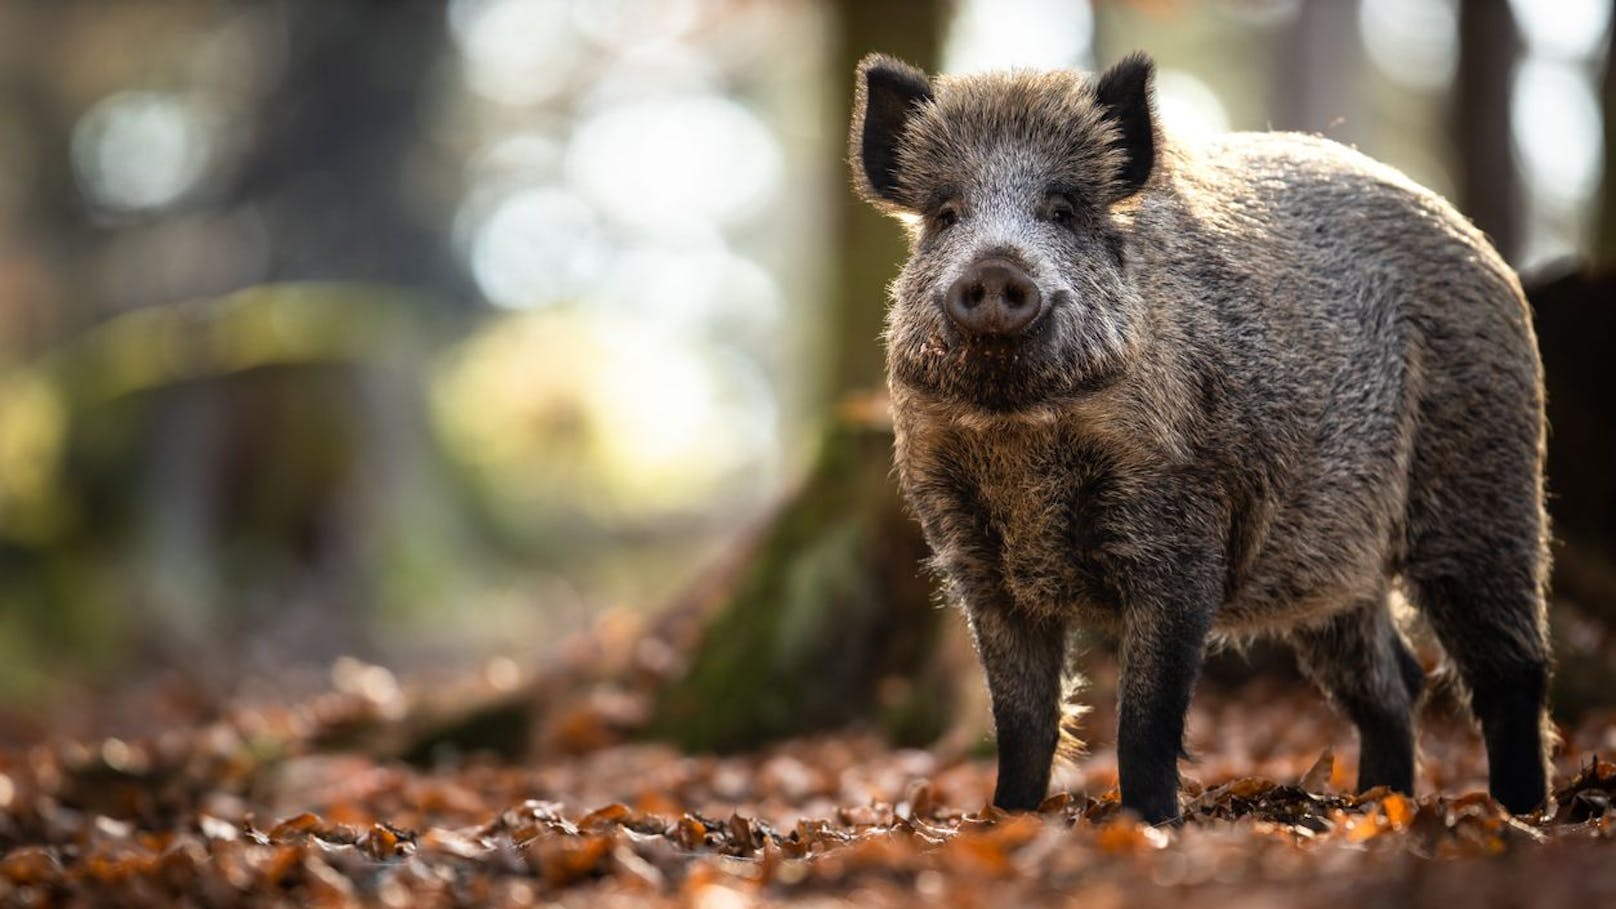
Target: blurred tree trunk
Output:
[
  {"x": 1575, "y": 314},
  {"x": 1489, "y": 185},
  {"x": 327, "y": 183},
  {"x": 1605, "y": 215},
  {"x": 1321, "y": 60},
  {"x": 49, "y": 227},
  {"x": 869, "y": 247},
  {"x": 829, "y": 617},
  {"x": 337, "y": 135}
]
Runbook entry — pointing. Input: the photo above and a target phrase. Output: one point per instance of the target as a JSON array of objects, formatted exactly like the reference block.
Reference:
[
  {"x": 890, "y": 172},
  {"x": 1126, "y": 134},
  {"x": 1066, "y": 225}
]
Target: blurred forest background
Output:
[{"x": 427, "y": 332}]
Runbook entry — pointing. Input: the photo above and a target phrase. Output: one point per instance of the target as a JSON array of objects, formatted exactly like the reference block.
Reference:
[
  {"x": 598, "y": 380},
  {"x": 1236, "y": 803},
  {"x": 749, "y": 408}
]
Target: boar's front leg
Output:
[
  {"x": 1164, "y": 632},
  {"x": 1023, "y": 660}
]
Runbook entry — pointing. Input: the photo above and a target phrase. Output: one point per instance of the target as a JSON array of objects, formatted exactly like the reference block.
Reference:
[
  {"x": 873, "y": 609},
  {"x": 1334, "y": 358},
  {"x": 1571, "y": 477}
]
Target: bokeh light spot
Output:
[
  {"x": 515, "y": 51},
  {"x": 141, "y": 150},
  {"x": 1006, "y": 34},
  {"x": 672, "y": 164},
  {"x": 1567, "y": 29},
  {"x": 1414, "y": 42},
  {"x": 1555, "y": 125},
  {"x": 537, "y": 246},
  {"x": 697, "y": 291},
  {"x": 1187, "y": 105}
]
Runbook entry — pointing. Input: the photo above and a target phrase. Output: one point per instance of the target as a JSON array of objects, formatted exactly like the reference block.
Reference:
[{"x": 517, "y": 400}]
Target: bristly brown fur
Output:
[{"x": 1272, "y": 379}]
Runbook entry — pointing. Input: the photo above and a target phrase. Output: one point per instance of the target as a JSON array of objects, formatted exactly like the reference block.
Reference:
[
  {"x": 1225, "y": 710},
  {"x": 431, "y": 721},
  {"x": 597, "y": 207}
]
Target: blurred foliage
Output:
[
  {"x": 335, "y": 443},
  {"x": 281, "y": 371}
]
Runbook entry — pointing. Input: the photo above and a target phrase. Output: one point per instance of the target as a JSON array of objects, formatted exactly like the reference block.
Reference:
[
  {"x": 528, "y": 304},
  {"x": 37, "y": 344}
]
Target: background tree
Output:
[
  {"x": 1605, "y": 237},
  {"x": 308, "y": 458},
  {"x": 828, "y": 617},
  {"x": 1489, "y": 186},
  {"x": 1574, "y": 308}
]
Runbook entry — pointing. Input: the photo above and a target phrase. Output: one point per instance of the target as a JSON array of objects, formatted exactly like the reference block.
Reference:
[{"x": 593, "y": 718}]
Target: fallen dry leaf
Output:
[{"x": 256, "y": 805}]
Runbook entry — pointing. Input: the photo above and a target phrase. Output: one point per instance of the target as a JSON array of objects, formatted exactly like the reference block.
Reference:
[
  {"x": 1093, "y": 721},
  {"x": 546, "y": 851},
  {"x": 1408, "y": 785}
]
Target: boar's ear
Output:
[
  {"x": 887, "y": 93},
  {"x": 1124, "y": 93}
]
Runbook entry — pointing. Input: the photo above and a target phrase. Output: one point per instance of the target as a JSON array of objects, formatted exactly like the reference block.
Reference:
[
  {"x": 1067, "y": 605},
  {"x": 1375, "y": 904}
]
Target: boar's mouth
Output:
[{"x": 997, "y": 375}]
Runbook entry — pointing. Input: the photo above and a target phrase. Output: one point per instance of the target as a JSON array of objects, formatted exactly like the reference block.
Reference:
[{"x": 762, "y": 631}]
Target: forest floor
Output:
[{"x": 158, "y": 797}]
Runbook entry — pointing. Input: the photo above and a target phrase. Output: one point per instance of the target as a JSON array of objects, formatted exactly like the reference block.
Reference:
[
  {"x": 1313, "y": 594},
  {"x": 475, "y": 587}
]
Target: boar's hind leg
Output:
[
  {"x": 1023, "y": 662},
  {"x": 1361, "y": 662},
  {"x": 1475, "y": 566},
  {"x": 1489, "y": 628}
]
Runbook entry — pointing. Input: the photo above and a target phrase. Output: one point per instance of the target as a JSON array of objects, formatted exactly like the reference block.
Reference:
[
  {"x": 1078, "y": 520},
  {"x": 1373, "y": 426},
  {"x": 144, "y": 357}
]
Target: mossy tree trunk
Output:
[
  {"x": 828, "y": 620},
  {"x": 832, "y": 619}
]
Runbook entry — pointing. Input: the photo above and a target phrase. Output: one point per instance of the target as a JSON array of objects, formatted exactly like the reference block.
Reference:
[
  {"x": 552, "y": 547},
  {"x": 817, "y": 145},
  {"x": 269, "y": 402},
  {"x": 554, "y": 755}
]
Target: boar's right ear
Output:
[
  {"x": 887, "y": 93},
  {"x": 1124, "y": 94}
]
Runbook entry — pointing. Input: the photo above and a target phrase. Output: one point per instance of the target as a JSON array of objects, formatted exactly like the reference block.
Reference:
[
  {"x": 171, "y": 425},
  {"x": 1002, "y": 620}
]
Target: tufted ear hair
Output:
[
  {"x": 1124, "y": 93},
  {"x": 886, "y": 94}
]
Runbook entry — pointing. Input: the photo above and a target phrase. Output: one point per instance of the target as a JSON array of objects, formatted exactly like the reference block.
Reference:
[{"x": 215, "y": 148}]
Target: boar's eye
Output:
[
  {"x": 947, "y": 216},
  {"x": 1059, "y": 211}
]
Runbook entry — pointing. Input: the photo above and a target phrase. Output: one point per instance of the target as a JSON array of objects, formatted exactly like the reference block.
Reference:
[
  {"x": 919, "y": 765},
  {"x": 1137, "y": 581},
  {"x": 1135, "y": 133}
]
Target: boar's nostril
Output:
[{"x": 994, "y": 297}]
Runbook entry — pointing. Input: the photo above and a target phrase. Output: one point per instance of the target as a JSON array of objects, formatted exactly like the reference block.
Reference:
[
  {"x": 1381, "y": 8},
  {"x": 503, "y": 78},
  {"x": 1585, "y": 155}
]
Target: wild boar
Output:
[{"x": 1197, "y": 389}]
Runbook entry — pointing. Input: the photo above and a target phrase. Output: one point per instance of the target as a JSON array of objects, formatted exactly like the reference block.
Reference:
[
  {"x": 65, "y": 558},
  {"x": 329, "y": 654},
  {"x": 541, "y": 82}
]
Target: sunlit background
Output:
[{"x": 429, "y": 331}]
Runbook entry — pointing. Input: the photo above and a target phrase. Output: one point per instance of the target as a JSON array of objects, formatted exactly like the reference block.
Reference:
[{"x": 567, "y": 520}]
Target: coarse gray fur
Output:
[{"x": 1271, "y": 380}]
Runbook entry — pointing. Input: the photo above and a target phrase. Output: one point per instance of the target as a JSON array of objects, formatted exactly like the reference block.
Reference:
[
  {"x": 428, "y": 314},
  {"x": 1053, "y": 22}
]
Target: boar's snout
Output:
[{"x": 994, "y": 297}]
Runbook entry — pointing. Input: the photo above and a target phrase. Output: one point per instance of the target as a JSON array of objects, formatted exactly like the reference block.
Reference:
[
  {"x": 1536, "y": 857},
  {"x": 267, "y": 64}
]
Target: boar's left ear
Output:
[
  {"x": 1124, "y": 93},
  {"x": 887, "y": 93}
]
